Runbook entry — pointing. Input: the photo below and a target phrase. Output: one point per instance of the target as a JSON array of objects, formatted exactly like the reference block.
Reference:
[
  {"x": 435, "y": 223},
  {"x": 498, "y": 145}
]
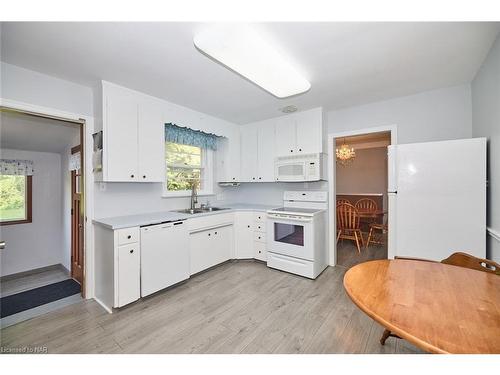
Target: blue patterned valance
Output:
[{"x": 186, "y": 136}]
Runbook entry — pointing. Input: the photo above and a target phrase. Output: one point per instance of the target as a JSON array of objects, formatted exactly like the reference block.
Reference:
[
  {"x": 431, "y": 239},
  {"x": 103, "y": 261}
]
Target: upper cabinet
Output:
[
  {"x": 300, "y": 133},
  {"x": 133, "y": 136},
  {"x": 257, "y": 152}
]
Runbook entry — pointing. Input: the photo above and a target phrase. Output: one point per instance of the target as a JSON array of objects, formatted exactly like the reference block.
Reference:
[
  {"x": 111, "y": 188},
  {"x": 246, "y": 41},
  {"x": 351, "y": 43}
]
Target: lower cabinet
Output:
[
  {"x": 210, "y": 247},
  {"x": 117, "y": 266},
  {"x": 244, "y": 229},
  {"x": 128, "y": 274}
]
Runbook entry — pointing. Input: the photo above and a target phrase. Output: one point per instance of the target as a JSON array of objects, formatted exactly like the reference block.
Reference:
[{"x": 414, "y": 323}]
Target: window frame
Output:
[
  {"x": 29, "y": 205},
  {"x": 207, "y": 163}
]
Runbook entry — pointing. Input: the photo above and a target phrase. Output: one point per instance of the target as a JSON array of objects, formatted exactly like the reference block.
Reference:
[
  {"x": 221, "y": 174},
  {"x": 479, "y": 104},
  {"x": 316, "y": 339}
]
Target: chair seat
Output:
[{"x": 379, "y": 226}]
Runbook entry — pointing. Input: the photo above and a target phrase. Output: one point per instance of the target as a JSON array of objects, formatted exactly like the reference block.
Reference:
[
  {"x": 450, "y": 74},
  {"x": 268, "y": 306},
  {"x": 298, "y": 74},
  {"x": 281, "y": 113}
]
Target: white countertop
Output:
[{"x": 120, "y": 222}]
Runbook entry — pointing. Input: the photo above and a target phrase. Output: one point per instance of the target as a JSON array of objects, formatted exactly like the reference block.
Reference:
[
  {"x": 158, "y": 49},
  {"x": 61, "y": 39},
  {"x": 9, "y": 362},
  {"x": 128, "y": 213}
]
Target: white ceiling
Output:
[
  {"x": 30, "y": 133},
  {"x": 346, "y": 63}
]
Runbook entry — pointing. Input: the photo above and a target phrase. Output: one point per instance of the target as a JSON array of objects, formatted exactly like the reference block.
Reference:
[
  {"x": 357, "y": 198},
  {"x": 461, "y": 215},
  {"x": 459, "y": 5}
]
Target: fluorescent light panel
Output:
[{"x": 241, "y": 49}]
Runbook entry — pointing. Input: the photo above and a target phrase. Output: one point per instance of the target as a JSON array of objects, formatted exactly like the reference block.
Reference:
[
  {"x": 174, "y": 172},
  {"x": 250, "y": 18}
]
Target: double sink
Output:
[{"x": 201, "y": 210}]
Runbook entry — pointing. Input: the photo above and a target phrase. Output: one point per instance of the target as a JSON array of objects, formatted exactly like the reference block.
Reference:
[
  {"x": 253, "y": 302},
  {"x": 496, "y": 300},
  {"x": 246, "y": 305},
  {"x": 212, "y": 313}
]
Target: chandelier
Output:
[{"x": 345, "y": 154}]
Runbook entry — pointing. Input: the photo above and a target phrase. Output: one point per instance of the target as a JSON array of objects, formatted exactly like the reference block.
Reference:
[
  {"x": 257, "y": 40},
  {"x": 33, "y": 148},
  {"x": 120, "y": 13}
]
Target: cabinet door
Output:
[
  {"x": 199, "y": 246},
  {"x": 260, "y": 251},
  {"x": 285, "y": 137},
  {"x": 309, "y": 132},
  {"x": 128, "y": 274},
  {"x": 244, "y": 233},
  {"x": 249, "y": 153},
  {"x": 228, "y": 160},
  {"x": 266, "y": 135},
  {"x": 120, "y": 137},
  {"x": 151, "y": 137},
  {"x": 222, "y": 244}
]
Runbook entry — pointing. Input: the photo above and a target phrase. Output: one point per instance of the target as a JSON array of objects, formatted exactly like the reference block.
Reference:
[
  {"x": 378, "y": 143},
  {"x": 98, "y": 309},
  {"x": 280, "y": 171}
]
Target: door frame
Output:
[
  {"x": 86, "y": 130},
  {"x": 332, "y": 185}
]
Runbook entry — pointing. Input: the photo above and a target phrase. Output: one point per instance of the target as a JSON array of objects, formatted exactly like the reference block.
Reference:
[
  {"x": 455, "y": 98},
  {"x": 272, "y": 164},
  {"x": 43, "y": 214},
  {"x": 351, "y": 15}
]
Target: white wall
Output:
[
  {"x": 37, "y": 244},
  {"x": 32, "y": 87},
  {"x": 428, "y": 116},
  {"x": 486, "y": 123},
  {"x": 366, "y": 174}
]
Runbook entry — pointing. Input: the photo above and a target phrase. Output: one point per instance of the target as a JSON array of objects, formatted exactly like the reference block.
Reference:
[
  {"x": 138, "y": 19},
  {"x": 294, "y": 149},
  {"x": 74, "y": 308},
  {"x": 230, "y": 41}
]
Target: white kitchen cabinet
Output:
[
  {"x": 308, "y": 132},
  {"x": 249, "y": 154},
  {"x": 120, "y": 146},
  {"x": 285, "y": 136},
  {"x": 228, "y": 157},
  {"x": 133, "y": 136},
  {"x": 244, "y": 229},
  {"x": 265, "y": 152},
  {"x": 300, "y": 133},
  {"x": 260, "y": 252},
  {"x": 129, "y": 274},
  {"x": 151, "y": 142},
  {"x": 208, "y": 248},
  {"x": 117, "y": 266}
]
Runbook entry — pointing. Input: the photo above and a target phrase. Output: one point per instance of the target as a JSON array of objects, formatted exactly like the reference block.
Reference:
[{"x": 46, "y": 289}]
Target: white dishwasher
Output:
[{"x": 164, "y": 255}]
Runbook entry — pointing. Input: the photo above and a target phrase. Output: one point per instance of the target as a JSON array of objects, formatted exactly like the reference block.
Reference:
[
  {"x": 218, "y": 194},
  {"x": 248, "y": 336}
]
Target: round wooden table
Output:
[{"x": 438, "y": 307}]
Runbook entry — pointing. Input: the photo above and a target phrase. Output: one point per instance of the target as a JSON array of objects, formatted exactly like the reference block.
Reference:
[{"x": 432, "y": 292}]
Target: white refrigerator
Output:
[{"x": 437, "y": 199}]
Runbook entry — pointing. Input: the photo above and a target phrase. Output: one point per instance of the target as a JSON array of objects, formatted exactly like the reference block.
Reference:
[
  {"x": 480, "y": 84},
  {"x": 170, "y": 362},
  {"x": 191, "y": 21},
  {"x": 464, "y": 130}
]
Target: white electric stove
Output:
[{"x": 296, "y": 240}]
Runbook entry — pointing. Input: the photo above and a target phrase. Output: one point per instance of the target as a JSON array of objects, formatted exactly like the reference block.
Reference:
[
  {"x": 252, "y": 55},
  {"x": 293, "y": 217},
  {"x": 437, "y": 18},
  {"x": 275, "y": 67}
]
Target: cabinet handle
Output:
[
  {"x": 131, "y": 251},
  {"x": 260, "y": 178},
  {"x": 253, "y": 178},
  {"x": 248, "y": 226},
  {"x": 259, "y": 226},
  {"x": 209, "y": 235},
  {"x": 129, "y": 237},
  {"x": 300, "y": 149},
  {"x": 215, "y": 232},
  {"x": 291, "y": 150},
  {"x": 260, "y": 251},
  {"x": 144, "y": 176},
  {"x": 234, "y": 178},
  {"x": 131, "y": 176},
  {"x": 259, "y": 237}
]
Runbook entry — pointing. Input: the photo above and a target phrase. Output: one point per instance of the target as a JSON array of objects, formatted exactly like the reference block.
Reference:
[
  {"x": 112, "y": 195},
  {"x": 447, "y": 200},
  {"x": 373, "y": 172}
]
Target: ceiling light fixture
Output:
[
  {"x": 345, "y": 154},
  {"x": 244, "y": 51}
]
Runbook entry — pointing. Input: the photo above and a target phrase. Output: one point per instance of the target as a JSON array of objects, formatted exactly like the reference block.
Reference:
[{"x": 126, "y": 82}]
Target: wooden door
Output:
[{"x": 77, "y": 225}]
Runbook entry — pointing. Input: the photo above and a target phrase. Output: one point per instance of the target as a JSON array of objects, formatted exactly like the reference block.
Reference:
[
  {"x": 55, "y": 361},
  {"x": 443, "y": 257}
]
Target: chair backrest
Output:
[
  {"x": 347, "y": 216},
  {"x": 342, "y": 201},
  {"x": 468, "y": 261},
  {"x": 366, "y": 204}
]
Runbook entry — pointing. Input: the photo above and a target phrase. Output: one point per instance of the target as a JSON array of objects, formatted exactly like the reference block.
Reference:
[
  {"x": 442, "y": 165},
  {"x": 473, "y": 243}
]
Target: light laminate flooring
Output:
[
  {"x": 348, "y": 256},
  {"x": 238, "y": 307},
  {"x": 9, "y": 286}
]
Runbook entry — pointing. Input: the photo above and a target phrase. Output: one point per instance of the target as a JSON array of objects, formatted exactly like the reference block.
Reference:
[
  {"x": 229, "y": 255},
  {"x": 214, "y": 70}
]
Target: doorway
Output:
[
  {"x": 359, "y": 212},
  {"x": 43, "y": 263}
]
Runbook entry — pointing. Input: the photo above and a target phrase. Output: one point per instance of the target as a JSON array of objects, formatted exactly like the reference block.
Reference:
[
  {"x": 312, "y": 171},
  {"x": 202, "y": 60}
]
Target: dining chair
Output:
[
  {"x": 342, "y": 201},
  {"x": 458, "y": 259},
  {"x": 374, "y": 236},
  {"x": 348, "y": 224},
  {"x": 366, "y": 204}
]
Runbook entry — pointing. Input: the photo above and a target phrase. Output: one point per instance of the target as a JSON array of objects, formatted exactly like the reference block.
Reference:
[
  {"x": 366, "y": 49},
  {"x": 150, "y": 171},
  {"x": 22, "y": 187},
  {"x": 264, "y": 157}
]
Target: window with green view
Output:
[
  {"x": 185, "y": 166},
  {"x": 15, "y": 199}
]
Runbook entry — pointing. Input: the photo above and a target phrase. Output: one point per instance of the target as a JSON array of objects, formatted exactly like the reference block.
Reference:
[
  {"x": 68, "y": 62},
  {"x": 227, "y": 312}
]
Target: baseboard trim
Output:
[
  {"x": 109, "y": 310},
  {"x": 493, "y": 233},
  {"x": 52, "y": 267}
]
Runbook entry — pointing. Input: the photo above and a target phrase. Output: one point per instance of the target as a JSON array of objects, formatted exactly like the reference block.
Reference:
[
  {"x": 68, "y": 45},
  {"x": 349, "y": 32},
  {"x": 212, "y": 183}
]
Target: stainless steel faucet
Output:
[{"x": 194, "y": 196}]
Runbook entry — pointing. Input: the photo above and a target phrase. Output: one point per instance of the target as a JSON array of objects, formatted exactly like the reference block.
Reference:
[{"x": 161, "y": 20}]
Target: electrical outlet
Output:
[{"x": 220, "y": 197}]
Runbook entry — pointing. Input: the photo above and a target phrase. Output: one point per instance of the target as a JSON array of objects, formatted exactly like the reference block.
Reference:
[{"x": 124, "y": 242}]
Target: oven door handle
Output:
[{"x": 288, "y": 218}]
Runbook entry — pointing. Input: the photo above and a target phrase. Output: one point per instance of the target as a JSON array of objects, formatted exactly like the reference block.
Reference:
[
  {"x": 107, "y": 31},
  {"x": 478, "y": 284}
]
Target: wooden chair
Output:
[
  {"x": 348, "y": 224},
  {"x": 366, "y": 204},
  {"x": 342, "y": 201},
  {"x": 372, "y": 237},
  {"x": 458, "y": 259}
]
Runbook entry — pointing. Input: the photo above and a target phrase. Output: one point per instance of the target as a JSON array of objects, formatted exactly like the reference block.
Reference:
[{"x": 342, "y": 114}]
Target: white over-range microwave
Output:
[{"x": 300, "y": 168}]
